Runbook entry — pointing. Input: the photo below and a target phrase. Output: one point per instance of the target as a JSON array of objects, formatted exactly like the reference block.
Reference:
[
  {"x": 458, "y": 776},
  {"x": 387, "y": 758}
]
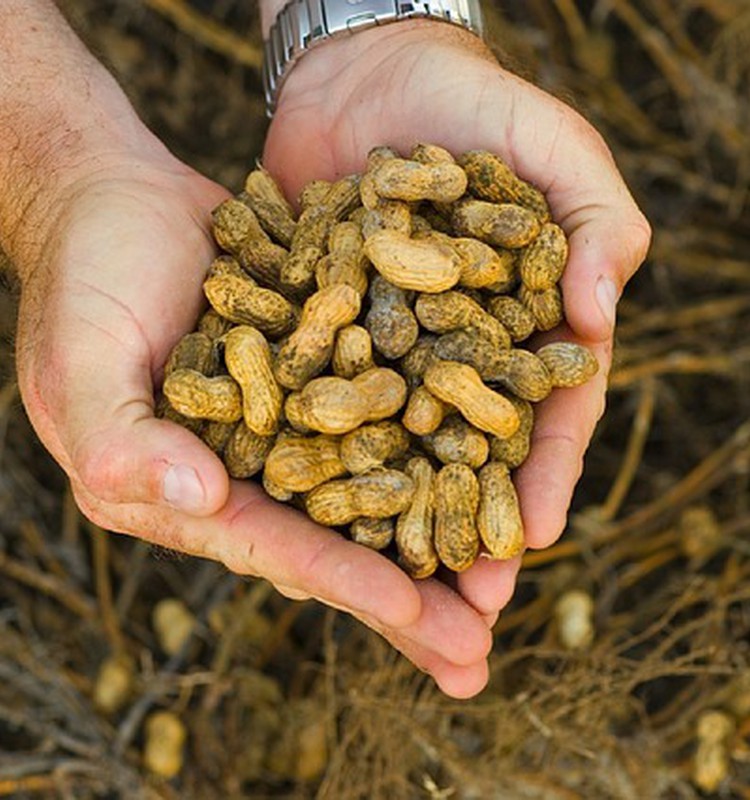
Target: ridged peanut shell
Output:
[
  {"x": 371, "y": 446},
  {"x": 404, "y": 179},
  {"x": 457, "y": 442},
  {"x": 376, "y": 534},
  {"x": 380, "y": 493},
  {"x": 569, "y": 364},
  {"x": 248, "y": 360},
  {"x": 501, "y": 224},
  {"x": 390, "y": 321},
  {"x": 456, "y": 492},
  {"x": 309, "y": 348},
  {"x": 245, "y": 452},
  {"x": 414, "y": 527},
  {"x": 543, "y": 262},
  {"x": 546, "y": 306},
  {"x": 198, "y": 397},
  {"x": 461, "y": 386},
  {"x": 498, "y": 516},
  {"x": 299, "y": 464},
  {"x": 423, "y": 266}
]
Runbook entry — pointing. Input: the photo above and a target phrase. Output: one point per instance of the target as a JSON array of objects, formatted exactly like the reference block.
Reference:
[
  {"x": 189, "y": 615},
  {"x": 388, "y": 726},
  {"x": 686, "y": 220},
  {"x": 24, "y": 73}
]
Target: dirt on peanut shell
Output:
[{"x": 644, "y": 692}]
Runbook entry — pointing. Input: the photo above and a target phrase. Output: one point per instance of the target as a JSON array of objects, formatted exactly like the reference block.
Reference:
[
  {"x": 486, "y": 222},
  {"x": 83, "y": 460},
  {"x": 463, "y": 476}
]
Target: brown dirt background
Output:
[{"x": 289, "y": 700}]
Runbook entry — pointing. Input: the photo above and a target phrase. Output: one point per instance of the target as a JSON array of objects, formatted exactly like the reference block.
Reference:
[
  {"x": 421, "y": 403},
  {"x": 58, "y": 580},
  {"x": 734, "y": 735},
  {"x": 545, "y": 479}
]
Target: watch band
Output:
[{"x": 302, "y": 24}]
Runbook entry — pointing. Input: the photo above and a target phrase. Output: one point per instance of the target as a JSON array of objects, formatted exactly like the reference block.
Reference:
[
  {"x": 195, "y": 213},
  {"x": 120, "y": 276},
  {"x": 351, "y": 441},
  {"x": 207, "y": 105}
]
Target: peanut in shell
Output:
[
  {"x": 501, "y": 224},
  {"x": 456, "y": 491},
  {"x": 390, "y": 320},
  {"x": 458, "y": 442},
  {"x": 498, "y": 516},
  {"x": 376, "y": 534},
  {"x": 412, "y": 181},
  {"x": 460, "y": 385},
  {"x": 424, "y": 413},
  {"x": 309, "y": 348},
  {"x": 300, "y": 463},
  {"x": 490, "y": 178},
  {"x": 245, "y": 452},
  {"x": 352, "y": 351},
  {"x": 545, "y": 306},
  {"x": 569, "y": 364},
  {"x": 373, "y": 445},
  {"x": 414, "y": 528},
  {"x": 199, "y": 397},
  {"x": 379, "y": 494},
  {"x": 248, "y": 360},
  {"x": 415, "y": 264},
  {"x": 542, "y": 263}
]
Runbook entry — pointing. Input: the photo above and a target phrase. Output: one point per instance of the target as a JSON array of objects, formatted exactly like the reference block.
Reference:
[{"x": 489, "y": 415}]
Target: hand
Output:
[{"x": 428, "y": 81}]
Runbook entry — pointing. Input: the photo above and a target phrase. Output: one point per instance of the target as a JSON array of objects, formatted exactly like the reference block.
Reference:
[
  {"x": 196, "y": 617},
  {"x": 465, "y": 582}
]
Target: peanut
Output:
[
  {"x": 499, "y": 517},
  {"x": 198, "y": 397},
  {"x": 194, "y": 351},
  {"x": 335, "y": 405},
  {"x": 298, "y": 463},
  {"x": 513, "y": 315},
  {"x": 379, "y": 494},
  {"x": 545, "y": 306},
  {"x": 543, "y": 261},
  {"x": 414, "y": 364},
  {"x": 390, "y": 321},
  {"x": 213, "y": 325},
  {"x": 569, "y": 364},
  {"x": 373, "y": 445},
  {"x": 233, "y": 223},
  {"x": 314, "y": 193},
  {"x": 424, "y": 412},
  {"x": 402, "y": 179},
  {"x": 345, "y": 261},
  {"x": 237, "y": 297},
  {"x": 450, "y": 311},
  {"x": 490, "y": 178},
  {"x": 352, "y": 351},
  {"x": 165, "y": 736},
  {"x": 248, "y": 360},
  {"x": 461, "y": 386},
  {"x": 503, "y": 224},
  {"x": 263, "y": 260},
  {"x": 309, "y": 348},
  {"x": 513, "y": 451},
  {"x": 424, "y": 266},
  {"x": 457, "y": 442},
  {"x": 456, "y": 492},
  {"x": 216, "y": 435},
  {"x": 414, "y": 527},
  {"x": 376, "y": 534},
  {"x": 522, "y": 373},
  {"x": 274, "y": 213},
  {"x": 425, "y": 153},
  {"x": 245, "y": 452}
]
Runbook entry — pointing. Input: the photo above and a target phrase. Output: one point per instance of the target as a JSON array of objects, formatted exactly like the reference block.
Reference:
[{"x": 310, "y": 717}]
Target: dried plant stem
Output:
[
  {"x": 208, "y": 32},
  {"x": 633, "y": 452}
]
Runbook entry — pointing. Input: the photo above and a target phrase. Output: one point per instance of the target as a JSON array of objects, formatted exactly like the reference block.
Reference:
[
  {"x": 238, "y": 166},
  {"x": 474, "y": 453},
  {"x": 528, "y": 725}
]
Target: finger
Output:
[
  {"x": 563, "y": 426},
  {"x": 488, "y": 585},
  {"x": 255, "y": 535}
]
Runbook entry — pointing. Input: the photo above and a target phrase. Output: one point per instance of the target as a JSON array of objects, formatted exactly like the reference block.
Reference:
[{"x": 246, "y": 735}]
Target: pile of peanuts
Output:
[{"x": 362, "y": 358}]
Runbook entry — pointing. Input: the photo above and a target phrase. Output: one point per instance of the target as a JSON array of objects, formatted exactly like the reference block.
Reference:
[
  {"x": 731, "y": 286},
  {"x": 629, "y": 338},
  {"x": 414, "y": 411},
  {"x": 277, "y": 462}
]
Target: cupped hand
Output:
[
  {"x": 428, "y": 81},
  {"x": 116, "y": 281}
]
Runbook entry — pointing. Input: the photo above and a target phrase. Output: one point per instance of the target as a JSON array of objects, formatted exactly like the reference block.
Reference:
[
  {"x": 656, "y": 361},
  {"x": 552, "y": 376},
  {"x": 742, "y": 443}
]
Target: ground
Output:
[{"x": 283, "y": 699}]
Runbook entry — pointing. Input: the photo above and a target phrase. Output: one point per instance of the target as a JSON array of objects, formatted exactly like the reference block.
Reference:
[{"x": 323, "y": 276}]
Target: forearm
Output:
[{"x": 60, "y": 113}]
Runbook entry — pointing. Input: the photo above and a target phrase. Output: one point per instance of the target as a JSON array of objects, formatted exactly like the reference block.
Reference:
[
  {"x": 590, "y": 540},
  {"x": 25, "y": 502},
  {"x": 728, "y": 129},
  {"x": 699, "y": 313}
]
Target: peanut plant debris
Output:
[{"x": 621, "y": 667}]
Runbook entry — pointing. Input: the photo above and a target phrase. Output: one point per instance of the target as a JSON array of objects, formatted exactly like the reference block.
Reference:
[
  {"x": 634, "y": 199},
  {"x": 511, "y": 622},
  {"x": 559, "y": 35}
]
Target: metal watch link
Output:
[{"x": 302, "y": 24}]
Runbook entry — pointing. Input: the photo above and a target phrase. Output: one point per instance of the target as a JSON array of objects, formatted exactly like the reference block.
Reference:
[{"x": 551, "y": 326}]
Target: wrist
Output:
[
  {"x": 333, "y": 68},
  {"x": 62, "y": 119}
]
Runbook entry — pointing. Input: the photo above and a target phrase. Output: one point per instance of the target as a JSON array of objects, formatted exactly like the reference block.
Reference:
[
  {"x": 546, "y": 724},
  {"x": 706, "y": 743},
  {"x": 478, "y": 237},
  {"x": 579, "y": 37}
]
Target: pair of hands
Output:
[{"x": 114, "y": 279}]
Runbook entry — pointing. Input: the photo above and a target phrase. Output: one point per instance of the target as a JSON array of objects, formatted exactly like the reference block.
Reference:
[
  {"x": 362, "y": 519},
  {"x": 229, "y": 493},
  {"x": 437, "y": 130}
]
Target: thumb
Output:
[{"x": 89, "y": 395}]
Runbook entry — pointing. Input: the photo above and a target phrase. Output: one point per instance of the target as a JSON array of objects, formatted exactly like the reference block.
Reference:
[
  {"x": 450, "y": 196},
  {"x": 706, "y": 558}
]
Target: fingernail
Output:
[
  {"x": 606, "y": 298},
  {"x": 183, "y": 488}
]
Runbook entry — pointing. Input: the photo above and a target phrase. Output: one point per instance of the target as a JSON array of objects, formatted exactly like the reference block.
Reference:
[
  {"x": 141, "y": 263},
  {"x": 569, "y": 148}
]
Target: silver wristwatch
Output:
[{"x": 302, "y": 24}]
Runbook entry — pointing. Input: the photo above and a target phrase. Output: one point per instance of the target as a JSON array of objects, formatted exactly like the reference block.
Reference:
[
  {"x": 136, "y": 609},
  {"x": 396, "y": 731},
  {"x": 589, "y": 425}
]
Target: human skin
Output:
[{"x": 110, "y": 237}]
